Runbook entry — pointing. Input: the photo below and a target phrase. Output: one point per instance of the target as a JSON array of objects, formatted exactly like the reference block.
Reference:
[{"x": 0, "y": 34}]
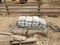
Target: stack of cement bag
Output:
[{"x": 31, "y": 21}]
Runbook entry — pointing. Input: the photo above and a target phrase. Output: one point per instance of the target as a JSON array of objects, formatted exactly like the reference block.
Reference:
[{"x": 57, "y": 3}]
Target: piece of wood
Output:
[
  {"x": 6, "y": 33},
  {"x": 19, "y": 38},
  {"x": 16, "y": 37},
  {"x": 29, "y": 40},
  {"x": 6, "y": 7},
  {"x": 54, "y": 28},
  {"x": 14, "y": 42},
  {"x": 5, "y": 38}
]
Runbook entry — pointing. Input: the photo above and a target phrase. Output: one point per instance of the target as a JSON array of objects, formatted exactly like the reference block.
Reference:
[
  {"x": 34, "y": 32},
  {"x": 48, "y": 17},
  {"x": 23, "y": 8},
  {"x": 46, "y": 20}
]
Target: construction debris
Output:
[
  {"x": 54, "y": 28},
  {"x": 28, "y": 40},
  {"x": 17, "y": 38}
]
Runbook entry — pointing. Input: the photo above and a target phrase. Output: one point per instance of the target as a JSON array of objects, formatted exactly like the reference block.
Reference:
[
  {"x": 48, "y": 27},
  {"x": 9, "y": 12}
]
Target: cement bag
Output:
[
  {"x": 21, "y": 21},
  {"x": 43, "y": 23},
  {"x": 35, "y": 21},
  {"x": 28, "y": 21}
]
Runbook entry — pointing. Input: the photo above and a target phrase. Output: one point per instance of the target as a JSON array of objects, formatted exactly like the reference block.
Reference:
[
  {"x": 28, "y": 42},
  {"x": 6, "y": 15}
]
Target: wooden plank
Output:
[
  {"x": 28, "y": 40},
  {"x": 5, "y": 33},
  {"x": 19, "y": 4},
  {"x": 18, "y": 37}
]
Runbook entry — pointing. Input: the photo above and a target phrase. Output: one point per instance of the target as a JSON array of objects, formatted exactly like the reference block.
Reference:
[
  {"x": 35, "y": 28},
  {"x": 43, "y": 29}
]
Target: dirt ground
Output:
[{"x": 53, "y": 38}]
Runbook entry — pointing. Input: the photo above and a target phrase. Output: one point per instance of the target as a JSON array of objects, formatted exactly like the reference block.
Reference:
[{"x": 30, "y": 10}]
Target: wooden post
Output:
[
  {"x": 6, "y": 7},
  {"x": 38, "y": 8},
  {"x": 26, "y": 1},
  {"x": 39, "y": 3},
  {"x": 0, "y": 1}
]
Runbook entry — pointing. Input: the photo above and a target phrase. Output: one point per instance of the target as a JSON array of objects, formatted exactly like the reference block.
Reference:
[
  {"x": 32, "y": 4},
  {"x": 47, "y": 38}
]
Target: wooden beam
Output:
[
  {"x": 28, "y": 40},
  {"x": 0, "y": 1}
]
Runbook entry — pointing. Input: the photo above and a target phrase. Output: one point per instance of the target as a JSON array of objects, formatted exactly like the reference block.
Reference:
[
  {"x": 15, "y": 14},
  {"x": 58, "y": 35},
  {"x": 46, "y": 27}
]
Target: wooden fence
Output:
[{"x": 31, "y": 7}]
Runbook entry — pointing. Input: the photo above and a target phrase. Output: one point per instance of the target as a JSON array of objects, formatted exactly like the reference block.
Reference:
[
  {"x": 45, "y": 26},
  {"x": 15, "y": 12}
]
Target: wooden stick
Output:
[
  {"x": 16, "y": 37},
  {"x": 20, "y": 38},
  {"x": 6, "y": 7},
  {"x": 29, "y": 40},
  {"x": 6, "y": 33}
]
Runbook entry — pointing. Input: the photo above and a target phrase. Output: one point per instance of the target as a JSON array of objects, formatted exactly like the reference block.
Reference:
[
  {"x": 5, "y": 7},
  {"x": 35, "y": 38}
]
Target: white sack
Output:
[{"x": 31, "y": 21}]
